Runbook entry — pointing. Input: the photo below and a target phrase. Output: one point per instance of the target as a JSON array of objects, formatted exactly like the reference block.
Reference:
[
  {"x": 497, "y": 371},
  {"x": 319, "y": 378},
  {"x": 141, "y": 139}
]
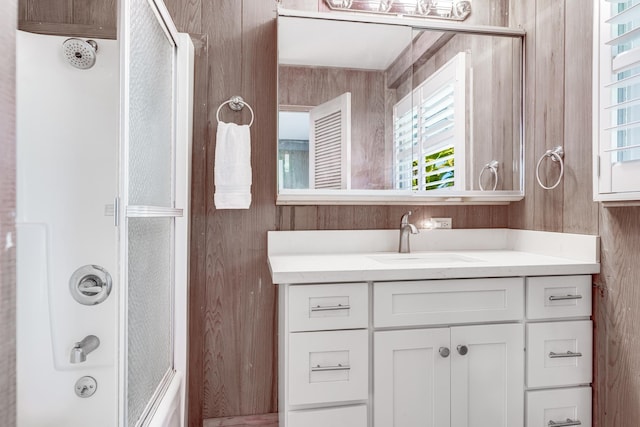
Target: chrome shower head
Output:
[{"x": 79, "y": 53}]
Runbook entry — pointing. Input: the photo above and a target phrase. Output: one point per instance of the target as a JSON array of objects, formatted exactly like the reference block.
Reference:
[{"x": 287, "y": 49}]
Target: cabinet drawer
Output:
[
  {"x": 328, "y": 367},
  {"x": 439, "y": 302},
  {"x": 566, "y": 407},
  {"x": 347, "y": 416},
  {"x": 559, "y": 353},
  {"x": 558, "y": 297},
  {"x": 328, "y": 307}
]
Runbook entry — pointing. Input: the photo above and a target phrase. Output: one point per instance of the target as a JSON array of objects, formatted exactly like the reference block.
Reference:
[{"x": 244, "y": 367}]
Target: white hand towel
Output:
[{"x": 232, "y": 169}]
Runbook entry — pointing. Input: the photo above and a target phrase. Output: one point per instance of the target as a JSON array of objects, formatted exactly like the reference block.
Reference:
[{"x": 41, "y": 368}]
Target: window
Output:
[
  {"x": 293, "y": 149},
  {"x": 617, "y": 101},
  {"x": 429, "y": 131}
]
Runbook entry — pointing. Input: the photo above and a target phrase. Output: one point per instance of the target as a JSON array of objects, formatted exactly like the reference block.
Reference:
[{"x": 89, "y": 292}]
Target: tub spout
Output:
[{"x": 81, "y": 349}]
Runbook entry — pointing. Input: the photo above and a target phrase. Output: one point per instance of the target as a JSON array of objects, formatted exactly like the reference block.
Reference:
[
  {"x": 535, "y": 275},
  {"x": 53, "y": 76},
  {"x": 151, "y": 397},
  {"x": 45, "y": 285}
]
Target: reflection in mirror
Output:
[
  {"x": 366, "y": 107},
  {"x": 457, "y": 10}
]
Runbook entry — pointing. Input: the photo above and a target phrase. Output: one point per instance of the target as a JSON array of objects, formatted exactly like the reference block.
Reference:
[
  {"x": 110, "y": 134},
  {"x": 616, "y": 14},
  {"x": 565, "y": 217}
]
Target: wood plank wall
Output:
[
  {"x": 78, "y": 18},
  {"x": 8, "y": 14}
]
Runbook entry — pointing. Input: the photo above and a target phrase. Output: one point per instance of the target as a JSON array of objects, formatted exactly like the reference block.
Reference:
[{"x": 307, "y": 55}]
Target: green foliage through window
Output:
[{"x": 439, "y": 171}]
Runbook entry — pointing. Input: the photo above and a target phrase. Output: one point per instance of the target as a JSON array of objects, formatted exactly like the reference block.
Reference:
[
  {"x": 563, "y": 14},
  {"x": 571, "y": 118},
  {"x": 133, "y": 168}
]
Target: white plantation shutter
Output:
[
  {"x": 618, "y": 100},
  {"x": 404, "y": 135},
  {"x": 430, "y": 131},
  {"x": 330, "y": 144}
]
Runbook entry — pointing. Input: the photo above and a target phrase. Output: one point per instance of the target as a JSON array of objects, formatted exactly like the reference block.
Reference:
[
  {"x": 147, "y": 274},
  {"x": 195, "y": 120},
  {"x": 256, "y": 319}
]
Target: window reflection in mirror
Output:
[
  {"x": 293, "y": 149},
  {"x": 429, "y": 110}
]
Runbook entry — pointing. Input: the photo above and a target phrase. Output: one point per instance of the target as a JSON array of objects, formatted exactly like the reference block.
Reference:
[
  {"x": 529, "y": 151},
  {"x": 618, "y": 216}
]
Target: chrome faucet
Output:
[
  {"x": 406, "y": 229},
  {"x": 81, "y": 349}
]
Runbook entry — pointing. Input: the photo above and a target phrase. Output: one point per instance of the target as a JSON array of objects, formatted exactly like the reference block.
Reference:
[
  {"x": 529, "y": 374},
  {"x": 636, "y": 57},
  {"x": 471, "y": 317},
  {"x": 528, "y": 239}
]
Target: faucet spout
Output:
[
  {"x": 82, "y": 348},
  {"x": 406, "y": 230}
]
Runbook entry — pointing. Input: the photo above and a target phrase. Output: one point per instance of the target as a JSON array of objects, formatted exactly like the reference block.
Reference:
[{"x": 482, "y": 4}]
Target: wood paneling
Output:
[
  {"x": 266, "y": 420},
  {"x": 580, "y": 212},
  {"x": 618, "y": 315},
  {"x": 59, "y": 11},
  {"x": 385, "y": 217},
  {"x": 548, "y": 110},
  {"x": 198, "y": 245},
  {"x": 77, "y": 18},
  {"x": 523, "y": 15},
  {"x": 8, "y": 13},
  {"x": 186, "y": 14},
  {"x": 557, "y": 112},
  {"x": 69, "y": 30},
  {"x": 101, "y": 13},
  {"x": 239, "y": 353}
]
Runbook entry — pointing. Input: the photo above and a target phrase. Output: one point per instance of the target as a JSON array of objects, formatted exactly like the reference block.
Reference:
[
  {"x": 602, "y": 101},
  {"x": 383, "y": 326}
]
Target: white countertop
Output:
[{"x": 356, "y": 256}]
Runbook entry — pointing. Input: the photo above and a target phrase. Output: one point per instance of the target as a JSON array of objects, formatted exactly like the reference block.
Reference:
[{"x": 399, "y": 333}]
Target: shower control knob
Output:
[
  {"x": 86, "y": 386},
  {"x": 90, "y": 284}
]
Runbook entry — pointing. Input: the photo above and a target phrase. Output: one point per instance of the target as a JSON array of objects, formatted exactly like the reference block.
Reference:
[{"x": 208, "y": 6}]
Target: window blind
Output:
[
  {"x": 404, "y": 135},
  {"x": 621, "y": 89}
]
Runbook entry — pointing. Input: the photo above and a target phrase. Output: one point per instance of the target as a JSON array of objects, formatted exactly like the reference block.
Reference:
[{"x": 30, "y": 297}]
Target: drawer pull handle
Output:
[
  {"x": 553, "y": 355},
  {"x": 567, "y": 423},
  {"x": 339, "y": 367},
  {"x": 564, "y": 297},
  {"x": 331, "y": 307}
]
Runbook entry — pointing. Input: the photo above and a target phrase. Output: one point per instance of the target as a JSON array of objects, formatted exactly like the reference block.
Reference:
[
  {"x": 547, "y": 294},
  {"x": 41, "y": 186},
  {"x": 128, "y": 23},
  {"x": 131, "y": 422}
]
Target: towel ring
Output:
[
  {"x": 557, "y": 155},
  {"x": 236, "y": 103},
  {"x": 493, "y": 167}
]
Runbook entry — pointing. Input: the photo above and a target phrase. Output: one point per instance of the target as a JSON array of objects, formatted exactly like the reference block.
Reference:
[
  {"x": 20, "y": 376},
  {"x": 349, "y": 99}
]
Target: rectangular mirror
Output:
[{"x": 391, "y": 113}]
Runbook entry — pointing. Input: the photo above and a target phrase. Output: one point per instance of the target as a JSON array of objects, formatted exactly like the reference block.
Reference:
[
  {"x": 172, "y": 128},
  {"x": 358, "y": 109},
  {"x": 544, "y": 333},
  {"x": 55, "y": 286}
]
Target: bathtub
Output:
[{"x": 169, "y": 411}]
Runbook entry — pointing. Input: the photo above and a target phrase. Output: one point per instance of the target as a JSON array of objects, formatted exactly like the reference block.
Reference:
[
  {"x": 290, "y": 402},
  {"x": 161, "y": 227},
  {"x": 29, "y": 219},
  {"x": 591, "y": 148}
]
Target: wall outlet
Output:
[{"x": 441, "y": 222}]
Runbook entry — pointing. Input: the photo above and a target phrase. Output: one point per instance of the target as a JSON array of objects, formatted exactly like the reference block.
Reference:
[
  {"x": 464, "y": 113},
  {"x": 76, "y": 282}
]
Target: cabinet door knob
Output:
[
  {"x": 463, "y": 349},
  {"x": 444, "y": 351}
]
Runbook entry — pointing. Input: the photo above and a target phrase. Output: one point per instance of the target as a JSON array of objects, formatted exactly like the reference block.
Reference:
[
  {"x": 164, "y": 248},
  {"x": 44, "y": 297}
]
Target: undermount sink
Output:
[{"x": 423, "y": 258}]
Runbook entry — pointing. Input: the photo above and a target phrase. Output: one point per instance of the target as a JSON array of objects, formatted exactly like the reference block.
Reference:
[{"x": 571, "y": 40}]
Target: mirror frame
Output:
[{"x": 408, "y": 197}]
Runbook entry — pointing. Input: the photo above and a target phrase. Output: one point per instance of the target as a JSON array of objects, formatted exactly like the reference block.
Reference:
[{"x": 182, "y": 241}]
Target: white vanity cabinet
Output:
[
  {"x": 458, "y": 376},
  {"x": 324, "y": 355},
  {"x": 559, "y": 351},
  {"x": 466, "y": 376},
  {"x": 499, "y": 352}
]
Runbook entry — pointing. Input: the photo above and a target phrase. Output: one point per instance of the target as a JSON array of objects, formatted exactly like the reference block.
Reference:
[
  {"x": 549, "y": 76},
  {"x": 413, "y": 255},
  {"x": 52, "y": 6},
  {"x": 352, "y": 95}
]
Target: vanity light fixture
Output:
[{"x": 456, "y": 10}]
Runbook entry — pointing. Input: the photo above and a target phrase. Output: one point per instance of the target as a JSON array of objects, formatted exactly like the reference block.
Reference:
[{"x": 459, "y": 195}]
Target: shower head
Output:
[{"x": 79, "y": 53}]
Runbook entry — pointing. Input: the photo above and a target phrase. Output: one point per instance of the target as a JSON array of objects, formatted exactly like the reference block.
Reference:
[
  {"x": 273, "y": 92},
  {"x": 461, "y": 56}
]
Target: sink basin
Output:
[{"x": 423, "y": 258}]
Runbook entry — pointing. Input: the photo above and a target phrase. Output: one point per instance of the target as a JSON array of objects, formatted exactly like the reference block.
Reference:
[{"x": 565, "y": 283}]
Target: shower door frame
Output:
[{"x": 180, "y": 178}]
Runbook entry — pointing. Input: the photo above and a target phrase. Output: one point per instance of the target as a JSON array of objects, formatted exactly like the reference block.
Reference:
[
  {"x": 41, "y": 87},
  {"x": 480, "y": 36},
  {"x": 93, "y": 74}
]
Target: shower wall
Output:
[{"x": 67, "y": 132}]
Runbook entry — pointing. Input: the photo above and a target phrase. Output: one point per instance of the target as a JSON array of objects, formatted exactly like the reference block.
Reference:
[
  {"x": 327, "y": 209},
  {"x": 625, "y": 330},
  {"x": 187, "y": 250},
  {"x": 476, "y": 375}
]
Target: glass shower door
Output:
[{"x": 147, "y": 208}]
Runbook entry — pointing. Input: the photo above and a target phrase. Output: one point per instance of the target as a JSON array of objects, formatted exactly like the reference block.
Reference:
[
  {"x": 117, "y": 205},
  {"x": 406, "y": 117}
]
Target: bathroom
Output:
[{"x": 233, "y": 304}]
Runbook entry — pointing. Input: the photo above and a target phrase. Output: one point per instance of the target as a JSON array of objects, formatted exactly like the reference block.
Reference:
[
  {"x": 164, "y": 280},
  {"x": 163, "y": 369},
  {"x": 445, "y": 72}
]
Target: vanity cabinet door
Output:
[
  {"x": 411, "y": 378},
  {"x": 487, "y": 376}
]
